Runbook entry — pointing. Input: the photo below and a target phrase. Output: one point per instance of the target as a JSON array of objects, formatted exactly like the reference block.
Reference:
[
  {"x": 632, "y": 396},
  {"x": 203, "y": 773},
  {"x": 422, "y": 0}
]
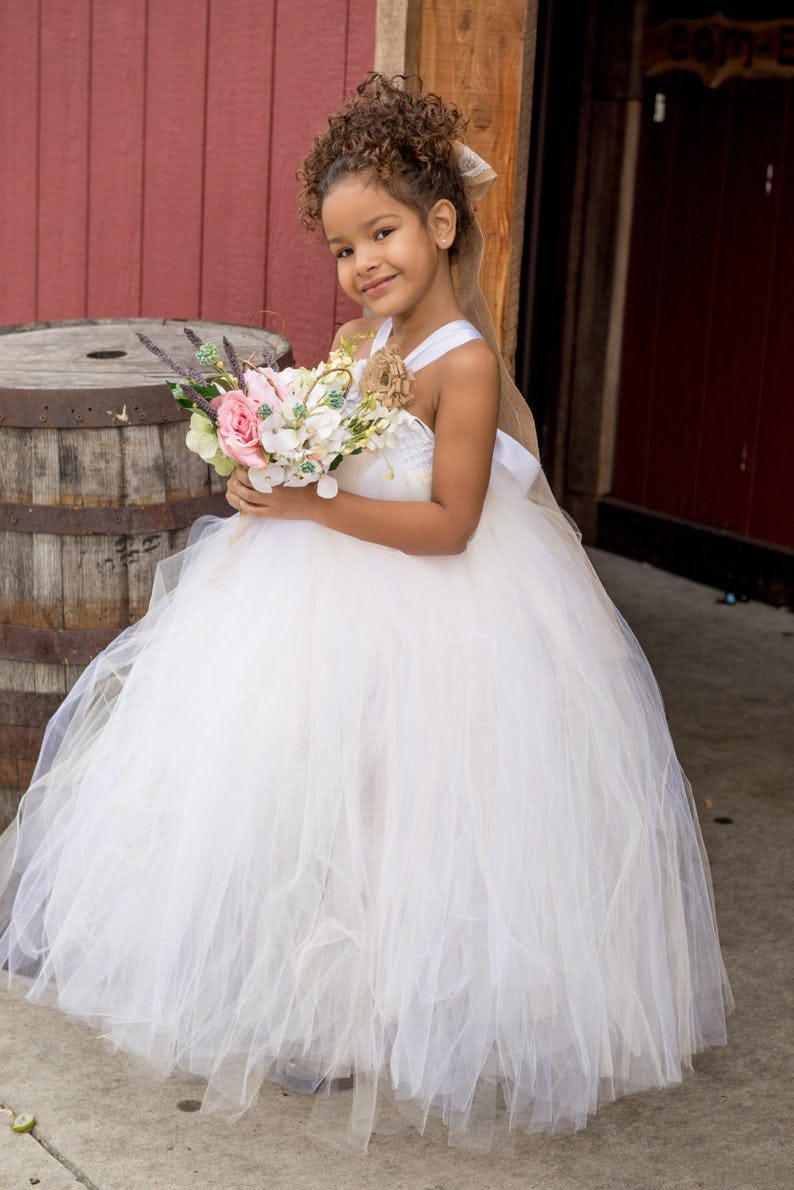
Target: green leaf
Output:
[
  {"x": 208, "y": 391},
  {"x": 177, "y": 387},
  {"x": 336, "y": 463},
  {"x": 222, "y": 465}
]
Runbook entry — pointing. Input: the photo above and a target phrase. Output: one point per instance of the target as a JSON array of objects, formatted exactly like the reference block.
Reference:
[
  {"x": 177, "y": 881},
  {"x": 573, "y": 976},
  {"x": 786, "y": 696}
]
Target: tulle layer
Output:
[{"x": 333, "y": 810}]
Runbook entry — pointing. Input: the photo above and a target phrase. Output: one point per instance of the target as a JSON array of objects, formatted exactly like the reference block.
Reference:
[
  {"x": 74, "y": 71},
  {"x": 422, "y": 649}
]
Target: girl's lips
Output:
[{"x": 377, "y": 287}]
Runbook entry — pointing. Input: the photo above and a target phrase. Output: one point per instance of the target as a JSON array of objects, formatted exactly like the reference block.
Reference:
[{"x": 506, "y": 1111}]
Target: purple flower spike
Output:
[
  {"x": 202, "y": 402},
  {"x": 182, "y": 371},
  {"x": 234, "y": 363},
  {"x": 173, "y": 364},
  {"x": 192, "y": 336},
  {"x": 269, "y": 360}
]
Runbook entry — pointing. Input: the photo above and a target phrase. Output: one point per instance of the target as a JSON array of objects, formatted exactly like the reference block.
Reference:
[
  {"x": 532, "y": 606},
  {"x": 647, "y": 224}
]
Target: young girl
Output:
[{"x": 378, "y": 798}]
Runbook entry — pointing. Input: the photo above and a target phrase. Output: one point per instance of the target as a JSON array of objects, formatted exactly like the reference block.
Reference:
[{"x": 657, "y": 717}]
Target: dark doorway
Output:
[
  {"x": 556, "y": 107},
  {"x": 706, "y": 424}
]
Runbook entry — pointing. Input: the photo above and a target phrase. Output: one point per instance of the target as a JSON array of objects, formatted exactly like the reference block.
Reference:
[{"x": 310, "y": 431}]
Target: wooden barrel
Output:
[{"x": 96, "y": 487}]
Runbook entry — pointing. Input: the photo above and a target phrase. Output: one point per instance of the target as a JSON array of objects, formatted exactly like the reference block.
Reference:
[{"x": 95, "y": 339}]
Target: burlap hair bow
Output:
[{"x": 514, "y": 415}]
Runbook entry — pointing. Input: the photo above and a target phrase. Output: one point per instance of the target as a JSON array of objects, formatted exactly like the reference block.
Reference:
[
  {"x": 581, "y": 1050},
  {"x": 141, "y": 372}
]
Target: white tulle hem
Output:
[{"x": 416, "y": 821}]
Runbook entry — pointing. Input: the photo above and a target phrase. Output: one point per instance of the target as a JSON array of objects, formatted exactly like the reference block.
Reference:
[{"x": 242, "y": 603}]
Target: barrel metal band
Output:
[
  {"x": 81, "y": 408},
  {"x": 60, "y": 646},
  {"x": 113, "y": 520}
]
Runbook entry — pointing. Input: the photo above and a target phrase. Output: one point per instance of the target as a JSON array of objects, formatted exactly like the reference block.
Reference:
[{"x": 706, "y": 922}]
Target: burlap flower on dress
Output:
[{"x": 387, "y": 376}]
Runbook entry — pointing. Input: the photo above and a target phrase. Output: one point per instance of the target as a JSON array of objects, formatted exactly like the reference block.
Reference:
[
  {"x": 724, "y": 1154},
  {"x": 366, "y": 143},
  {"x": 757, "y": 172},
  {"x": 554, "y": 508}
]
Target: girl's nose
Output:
[{"x": 367, "y": 259}]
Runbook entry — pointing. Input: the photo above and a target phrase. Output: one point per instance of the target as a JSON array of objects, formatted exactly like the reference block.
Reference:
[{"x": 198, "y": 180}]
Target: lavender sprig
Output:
[
  {"x": 234, "y": 363},
  {"x": 269, "y": 360},
  {"x": 182, "y": 371},
  {"x": 173, "y": 364},
  {"x": 192, "y": 336},
  {"x": 202, "y": 402}
]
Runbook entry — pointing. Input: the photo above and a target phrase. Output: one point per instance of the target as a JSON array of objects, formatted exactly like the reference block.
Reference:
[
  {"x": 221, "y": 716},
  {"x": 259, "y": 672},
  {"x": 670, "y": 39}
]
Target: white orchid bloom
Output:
[
  {"x": 264, "y": 479},
  {"x": 283, "y": 441},
  {"x": 329, "y": 448},
  {"x": 327, "y": 487},
  {"x": 323, "y": 422}
]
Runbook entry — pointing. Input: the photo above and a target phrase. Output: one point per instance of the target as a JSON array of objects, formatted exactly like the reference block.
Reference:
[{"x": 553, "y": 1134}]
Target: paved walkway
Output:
[{"x": 727, "y": 676}]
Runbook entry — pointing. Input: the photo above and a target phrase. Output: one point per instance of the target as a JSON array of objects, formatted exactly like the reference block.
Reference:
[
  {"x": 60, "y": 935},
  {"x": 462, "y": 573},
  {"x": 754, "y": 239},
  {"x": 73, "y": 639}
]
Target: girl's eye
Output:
[
  {"x": 343, "y": 253},
  {"x": 382, "y": 232}
]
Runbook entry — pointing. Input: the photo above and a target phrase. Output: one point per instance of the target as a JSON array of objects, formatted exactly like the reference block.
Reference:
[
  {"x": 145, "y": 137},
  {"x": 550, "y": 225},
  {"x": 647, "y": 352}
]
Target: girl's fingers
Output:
[
  {"x": 239, "y": 501},
  {"x": 240, "y": 475},
  {"x": 250, "y": 508}
]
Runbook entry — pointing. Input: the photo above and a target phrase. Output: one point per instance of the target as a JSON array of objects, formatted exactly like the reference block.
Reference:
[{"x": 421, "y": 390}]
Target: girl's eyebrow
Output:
[{"x": 367, "y": 225}]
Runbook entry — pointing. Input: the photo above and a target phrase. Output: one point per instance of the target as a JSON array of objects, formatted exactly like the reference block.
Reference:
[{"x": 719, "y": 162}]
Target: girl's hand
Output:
[{"x": 291, "y": 504}]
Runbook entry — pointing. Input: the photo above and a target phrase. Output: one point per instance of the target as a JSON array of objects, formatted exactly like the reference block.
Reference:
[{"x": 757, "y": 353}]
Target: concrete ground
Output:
[{"x": 728, "y": 680}]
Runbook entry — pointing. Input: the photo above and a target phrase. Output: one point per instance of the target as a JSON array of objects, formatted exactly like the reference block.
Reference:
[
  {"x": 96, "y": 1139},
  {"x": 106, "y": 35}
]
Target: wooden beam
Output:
[
  {"x": 397, "y": 36},
  {"x": 520, "y": 187},
  {"x": 609, "y": 147},
  {"x": 481, "y": 57}
]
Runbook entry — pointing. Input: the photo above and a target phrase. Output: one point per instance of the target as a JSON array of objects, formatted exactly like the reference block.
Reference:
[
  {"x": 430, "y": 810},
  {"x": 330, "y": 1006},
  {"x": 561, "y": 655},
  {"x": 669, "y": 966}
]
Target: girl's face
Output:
[{"x": 388, "y": 257}]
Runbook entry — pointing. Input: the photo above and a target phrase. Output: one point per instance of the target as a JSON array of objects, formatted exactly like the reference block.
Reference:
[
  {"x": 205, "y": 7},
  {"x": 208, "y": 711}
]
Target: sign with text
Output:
[{"x": 718, "y": 49}]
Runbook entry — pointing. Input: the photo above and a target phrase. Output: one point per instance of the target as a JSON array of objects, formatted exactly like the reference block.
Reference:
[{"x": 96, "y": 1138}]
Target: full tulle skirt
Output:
[{"x": 334, "y": 809}]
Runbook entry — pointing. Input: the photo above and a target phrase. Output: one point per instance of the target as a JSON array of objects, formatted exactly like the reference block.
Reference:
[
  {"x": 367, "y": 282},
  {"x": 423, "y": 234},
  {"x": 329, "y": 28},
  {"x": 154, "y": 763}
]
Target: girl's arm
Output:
[{"x": 465, "y": 430}]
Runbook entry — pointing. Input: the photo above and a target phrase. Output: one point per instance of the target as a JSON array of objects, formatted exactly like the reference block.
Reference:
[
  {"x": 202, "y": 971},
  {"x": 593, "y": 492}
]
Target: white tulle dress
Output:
[{"x": 403, "y": 829}]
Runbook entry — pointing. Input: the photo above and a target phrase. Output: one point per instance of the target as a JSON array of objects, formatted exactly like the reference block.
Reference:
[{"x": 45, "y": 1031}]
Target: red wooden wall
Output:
[
  {"x": 706, "y": 422},
  {"x": 150, "y": 148}
]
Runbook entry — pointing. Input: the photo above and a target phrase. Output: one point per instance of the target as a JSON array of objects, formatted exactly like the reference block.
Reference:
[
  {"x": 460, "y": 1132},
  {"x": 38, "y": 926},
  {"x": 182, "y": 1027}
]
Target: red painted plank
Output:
[
  {"x": 301, "y": 276},
  {"x": 709, "y": 389},
  {"x": 18, "y": 134},
  {"x": 161, "y": 192},
  {"x": 236, "y": 182},
  {"x": 63, "y": 157},
  {"x": 358, "y": 61},
  {"x": 731, "y": 393},
  {"x": 118, "y": 44},
  {"x": 360, "y": 41},
  {"x": 176, "y": 64},
  {"x": 685, "y": 299},
  {"x": 771, "y": 509}
]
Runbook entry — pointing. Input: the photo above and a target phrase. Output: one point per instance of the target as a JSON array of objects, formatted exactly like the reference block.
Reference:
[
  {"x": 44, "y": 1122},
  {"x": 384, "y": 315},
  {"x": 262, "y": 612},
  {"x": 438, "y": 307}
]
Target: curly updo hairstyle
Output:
[{"x": 402, "y": 136}]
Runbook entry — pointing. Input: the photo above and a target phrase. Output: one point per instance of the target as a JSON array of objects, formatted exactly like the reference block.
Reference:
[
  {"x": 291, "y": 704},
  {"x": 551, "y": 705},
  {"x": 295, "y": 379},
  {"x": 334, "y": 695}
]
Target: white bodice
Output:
[{"x": 404, "y": 472}]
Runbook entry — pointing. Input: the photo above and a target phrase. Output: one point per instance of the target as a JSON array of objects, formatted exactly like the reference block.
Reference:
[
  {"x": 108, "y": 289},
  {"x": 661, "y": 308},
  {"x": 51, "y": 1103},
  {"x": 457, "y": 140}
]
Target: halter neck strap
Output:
[
  {"x": 507, "y": 450},
  {"x": 452, "y": 334}
]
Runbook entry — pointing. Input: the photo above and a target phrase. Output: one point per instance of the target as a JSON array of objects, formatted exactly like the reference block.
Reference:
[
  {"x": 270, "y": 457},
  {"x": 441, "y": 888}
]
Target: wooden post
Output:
[
  {"x": 397, "y": 36},
  {"x": 481, "y": 57},
  {"x": 592, "y": 376}
]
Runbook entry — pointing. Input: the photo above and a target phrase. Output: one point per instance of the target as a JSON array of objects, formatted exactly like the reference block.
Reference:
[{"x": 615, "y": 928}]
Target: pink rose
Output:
[
  {"x": 238, "y": 428},
  {"x": 267, "y": 387}
]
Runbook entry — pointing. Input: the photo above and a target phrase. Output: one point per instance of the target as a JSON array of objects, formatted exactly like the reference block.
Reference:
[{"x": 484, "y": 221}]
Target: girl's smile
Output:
[{"x": 377, "y": 287}]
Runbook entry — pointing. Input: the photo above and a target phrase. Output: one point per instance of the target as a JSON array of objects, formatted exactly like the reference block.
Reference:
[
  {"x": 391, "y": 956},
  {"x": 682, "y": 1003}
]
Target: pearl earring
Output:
[{"x": 443, "y": 243}]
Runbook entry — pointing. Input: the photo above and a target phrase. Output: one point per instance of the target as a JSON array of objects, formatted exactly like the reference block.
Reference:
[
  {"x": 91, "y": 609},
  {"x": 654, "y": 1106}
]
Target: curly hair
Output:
[{"x": 403, "y": 136}]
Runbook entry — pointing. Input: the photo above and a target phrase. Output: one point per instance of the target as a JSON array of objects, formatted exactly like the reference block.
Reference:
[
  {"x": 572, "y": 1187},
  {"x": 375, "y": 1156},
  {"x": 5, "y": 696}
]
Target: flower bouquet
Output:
[{"x": 290, "y": 427}]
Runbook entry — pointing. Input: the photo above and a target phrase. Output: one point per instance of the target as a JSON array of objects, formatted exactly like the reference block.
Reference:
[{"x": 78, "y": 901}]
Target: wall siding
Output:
[
  {"x": 153, "y": 150},
  {"x": 19, "y": 193}
]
